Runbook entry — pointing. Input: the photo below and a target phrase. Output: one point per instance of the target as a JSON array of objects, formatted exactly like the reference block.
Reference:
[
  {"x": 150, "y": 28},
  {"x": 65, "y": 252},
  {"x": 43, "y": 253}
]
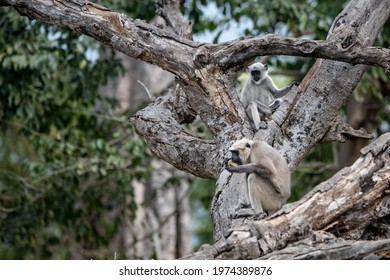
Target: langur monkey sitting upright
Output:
[
  {"x": 267, "y": 176},
  {"x": 258, "y": 92}
]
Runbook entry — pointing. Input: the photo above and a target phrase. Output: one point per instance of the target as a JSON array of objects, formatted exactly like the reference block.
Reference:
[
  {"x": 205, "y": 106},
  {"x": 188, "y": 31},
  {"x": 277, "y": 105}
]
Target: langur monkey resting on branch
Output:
[{"x": 267, "y": 176}]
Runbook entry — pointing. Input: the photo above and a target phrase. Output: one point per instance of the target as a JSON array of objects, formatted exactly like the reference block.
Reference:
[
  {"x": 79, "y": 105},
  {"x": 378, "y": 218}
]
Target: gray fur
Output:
[
  {"x": 258, "y": 94},
  {"x": 267, "y": 175}
]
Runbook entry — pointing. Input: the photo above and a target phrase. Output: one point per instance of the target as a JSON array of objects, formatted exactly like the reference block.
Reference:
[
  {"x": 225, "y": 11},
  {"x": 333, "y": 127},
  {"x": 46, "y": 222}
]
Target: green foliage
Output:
[
  {"x": 46, "y": 73},
  {"x": 79, "y": 193},
  {"x": 66, "y": 182}
]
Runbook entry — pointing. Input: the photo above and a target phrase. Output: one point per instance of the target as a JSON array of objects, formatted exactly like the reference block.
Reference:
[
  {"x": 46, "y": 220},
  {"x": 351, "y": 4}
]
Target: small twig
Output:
[{"x": 147, "y": 91}]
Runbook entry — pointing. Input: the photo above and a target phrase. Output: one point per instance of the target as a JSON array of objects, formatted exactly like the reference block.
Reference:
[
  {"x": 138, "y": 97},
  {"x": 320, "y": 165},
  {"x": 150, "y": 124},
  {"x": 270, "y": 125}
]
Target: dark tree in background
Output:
[{"x": 346, "y": 216}]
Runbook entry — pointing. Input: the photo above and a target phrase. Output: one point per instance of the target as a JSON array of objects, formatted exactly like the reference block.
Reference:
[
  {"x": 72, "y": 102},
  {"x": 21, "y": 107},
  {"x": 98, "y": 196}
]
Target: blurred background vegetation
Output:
[{"x": 69, "y": 158}]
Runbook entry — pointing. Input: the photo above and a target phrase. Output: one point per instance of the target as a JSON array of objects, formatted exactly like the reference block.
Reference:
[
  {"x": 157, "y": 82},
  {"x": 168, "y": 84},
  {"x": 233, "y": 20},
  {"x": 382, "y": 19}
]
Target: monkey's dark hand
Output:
[
  {"x": 230, "y": 164},
  {"x": 226, "y": 164}
]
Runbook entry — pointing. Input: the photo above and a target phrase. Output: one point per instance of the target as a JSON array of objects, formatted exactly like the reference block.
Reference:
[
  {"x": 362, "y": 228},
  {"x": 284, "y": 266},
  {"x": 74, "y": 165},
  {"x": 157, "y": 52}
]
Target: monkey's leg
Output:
[
  {"x": 255, "y": 196},
  {"x": 244, "y": 209},
  {"x": 254, "y": 115},
  {"x": 263, "y": 109},
  {"x": 265, "y": 112}
]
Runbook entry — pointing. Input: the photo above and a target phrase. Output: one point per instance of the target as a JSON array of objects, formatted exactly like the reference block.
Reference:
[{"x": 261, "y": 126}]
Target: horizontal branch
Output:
[
  {"x": 343, "y": 207},
  {"x": 240, "y": 51},
  {"x": 342, "y": 132}
]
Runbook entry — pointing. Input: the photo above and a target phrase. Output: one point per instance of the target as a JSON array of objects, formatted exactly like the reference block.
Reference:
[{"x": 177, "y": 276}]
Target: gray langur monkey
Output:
[
  {"x": 258, "y": 92},
  {"x": 267, "y": 176}
]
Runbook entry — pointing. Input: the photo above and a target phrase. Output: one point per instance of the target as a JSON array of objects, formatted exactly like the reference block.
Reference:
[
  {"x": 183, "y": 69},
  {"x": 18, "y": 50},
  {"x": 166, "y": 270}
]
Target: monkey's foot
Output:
[
  {"x": 243, "y": 212},
  {"x": 259, "y": 216},
  {"x": 263, "y": 125},
  {"x": 242, "y": 205}
]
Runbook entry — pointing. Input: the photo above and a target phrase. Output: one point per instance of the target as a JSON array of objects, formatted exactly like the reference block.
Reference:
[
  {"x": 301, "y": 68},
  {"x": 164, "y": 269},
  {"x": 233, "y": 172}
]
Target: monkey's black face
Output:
[
  {"x": 236, "y": 157},
  {"x": 256, "y": 75}
]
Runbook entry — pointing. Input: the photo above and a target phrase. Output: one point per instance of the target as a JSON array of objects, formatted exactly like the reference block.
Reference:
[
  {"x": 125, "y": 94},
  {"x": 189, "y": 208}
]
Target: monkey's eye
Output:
[
  {"x": 255, "y": 72},
  {"x": 247, "y": 145}
]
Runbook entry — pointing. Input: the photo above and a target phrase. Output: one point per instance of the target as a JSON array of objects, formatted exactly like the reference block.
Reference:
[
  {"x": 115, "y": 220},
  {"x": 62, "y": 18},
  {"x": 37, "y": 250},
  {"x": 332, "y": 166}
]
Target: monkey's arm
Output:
[
  {"x": 275, "y": 91},
  {"x": 261, "y": 170}
]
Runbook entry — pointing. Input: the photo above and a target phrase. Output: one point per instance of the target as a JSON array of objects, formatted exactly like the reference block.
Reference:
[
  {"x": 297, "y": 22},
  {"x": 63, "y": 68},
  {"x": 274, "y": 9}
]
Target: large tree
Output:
[{"x": 353, "y": 205}]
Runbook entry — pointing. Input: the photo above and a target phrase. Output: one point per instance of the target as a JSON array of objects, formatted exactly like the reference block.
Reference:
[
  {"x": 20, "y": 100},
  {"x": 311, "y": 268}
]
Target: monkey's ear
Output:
[{"x": 266, "y": 66}]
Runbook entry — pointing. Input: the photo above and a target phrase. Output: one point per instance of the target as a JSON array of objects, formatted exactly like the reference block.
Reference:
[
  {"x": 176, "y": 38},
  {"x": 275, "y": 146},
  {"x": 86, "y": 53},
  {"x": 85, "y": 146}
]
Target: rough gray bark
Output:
[{"x": 205, "y": 74}]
